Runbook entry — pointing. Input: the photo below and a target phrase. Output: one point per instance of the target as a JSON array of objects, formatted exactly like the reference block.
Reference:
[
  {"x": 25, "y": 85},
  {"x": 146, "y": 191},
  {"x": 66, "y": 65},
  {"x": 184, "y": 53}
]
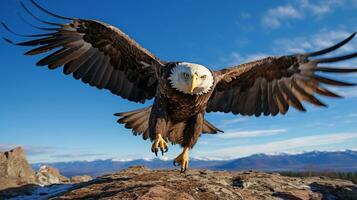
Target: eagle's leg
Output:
[
  {"x": 182, "y": 160},
  {"x": 157, "y": 127},
  {"x": 159, "y": 143}
]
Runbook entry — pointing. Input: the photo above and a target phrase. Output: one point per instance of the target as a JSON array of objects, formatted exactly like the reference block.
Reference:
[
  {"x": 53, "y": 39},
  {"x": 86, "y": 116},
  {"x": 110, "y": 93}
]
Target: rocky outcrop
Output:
[
  {"x": 48, "y": 175},
  {"x": 145, "y": 184},
  {"x": 80, "y": 179},
  {"x": 14, "y": 169}
]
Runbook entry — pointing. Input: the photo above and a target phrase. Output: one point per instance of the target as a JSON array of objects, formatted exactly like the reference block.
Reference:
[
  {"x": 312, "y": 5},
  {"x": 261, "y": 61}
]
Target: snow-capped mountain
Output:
[{"x": 307, "y": 161}]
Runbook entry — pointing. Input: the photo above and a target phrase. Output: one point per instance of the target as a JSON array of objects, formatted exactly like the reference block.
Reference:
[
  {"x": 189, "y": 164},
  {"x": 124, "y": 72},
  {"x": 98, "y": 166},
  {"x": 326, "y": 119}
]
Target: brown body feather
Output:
[{"x": 178, "y": 117}]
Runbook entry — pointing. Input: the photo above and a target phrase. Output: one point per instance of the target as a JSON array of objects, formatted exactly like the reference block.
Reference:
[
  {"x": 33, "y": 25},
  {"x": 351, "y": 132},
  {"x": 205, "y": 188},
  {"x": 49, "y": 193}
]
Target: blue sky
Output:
[{"x": 57, "y": 118}]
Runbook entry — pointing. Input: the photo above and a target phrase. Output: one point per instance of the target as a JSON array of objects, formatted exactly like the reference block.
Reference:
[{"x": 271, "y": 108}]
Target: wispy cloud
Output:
[
  {"x": 249, "y": 134},
  {"x": 272, "y": 19},
  {"x": 352, "y": 115},
  {"x": 346, "y": 92},
  {"x": 350, "y": 92},
  {"x": 245, "y": 15},
  {"x": 319, "y": 7},
  {"x": 283, "y": 145},
  {"x": 275, "y": 17},
  {"x": 29, "y": 150},
  {"x": 236, "y": 58},
  {"x": 321, "y": 40},
  {"x": 226, "y": 122},
  {"x": 79, "y": 155}
]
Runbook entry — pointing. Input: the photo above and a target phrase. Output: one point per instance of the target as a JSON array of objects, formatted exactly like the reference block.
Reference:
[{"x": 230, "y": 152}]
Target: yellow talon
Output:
[
  {"x": 161, "y": 144},
  {"x": 182, "y": 160}
]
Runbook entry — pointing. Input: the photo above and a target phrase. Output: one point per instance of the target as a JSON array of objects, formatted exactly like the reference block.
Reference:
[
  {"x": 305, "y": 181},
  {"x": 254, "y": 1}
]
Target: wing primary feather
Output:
[
  {"x": 264, "y": 97},
  {"x": 83, "y": 70},
  {"x": 336, "y": 70},
  {"x": 36, "y": 27},
  {"x": 21, "y": 35},
  {"x": 331, "y": 48},
  {"x": 122, "y": 86},
  {"x": 274, "y": 110},
  {"x": 290, "y": 96},
  {"x": 70, "y": 55},
  {"x": 252, "y": 99},
  {"x": 243, "y": 99},
  {"x": 112, "y": 81},
  {"x": 49, "y": 47},
  {"x": 235, "y": 102},
  {"x": 92, "y": 72},
  {"x": 8, "y": 41},
  {"x": 282, "y": 104},
  {"x": 326, "y": 92},
  {"x": 41, "y": 41},
  {"x": 35, "y": 17},
  {"x": 335, "y": 59},
  {"x": 106, "y": 77},
  {"x": 306, "y": 96},
  {"x": 76, "y": 64},
  {"x": 50, "y": 58},
  {"x": 48, "y": 12},
  {"x": 331, "y": 81},
  {"x": 318, "y": 89},
  {"x": 97, "y": 79}
]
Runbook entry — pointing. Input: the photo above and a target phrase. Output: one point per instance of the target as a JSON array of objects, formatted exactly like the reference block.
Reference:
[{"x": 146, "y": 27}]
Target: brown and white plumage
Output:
[{"x": 104, "y": 57}]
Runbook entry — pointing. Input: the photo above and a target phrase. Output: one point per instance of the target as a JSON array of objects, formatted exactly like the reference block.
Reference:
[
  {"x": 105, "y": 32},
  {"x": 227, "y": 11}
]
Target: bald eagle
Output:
[{"x": 106, "y": 58}]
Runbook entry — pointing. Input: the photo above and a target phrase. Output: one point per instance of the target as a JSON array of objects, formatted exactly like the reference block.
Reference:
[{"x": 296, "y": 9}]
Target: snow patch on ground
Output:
[{"x": 42, "y": 193}]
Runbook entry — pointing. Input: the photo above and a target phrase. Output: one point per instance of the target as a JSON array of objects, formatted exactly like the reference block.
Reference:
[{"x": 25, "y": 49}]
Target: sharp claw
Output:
[
  {"x": 183, "y": 170},
  {"x": 156, "y": 152},
  {"x": 174, "y": 163},
  {"x": 166, "y": 149}
]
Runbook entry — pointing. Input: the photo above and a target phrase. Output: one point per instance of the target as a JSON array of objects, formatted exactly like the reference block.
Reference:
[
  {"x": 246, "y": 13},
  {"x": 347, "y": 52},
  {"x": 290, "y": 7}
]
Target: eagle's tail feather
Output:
[
  {"x": 138, "y": 122},
  {"x": 210, "y": 128}
]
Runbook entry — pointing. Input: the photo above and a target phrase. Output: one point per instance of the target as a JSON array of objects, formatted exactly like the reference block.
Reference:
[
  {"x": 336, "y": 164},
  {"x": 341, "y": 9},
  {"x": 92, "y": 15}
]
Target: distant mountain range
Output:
[{"x": 341, "y": 161}]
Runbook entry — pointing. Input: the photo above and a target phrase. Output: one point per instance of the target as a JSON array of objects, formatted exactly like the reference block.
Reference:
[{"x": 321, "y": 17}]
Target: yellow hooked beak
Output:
[{"x": 193, "y": 82}]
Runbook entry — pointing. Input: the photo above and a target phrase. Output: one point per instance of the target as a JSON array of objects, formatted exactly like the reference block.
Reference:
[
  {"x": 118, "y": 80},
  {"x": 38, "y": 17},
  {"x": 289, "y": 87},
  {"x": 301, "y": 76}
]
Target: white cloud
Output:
[
  {"x": 318, "y": 41},
  {"x": 273, "y": 17},
  {"x": 78, "y": 156},
  {"x": 319, "y": 8},
  {"x": 245, "y": 15},
  {"x": 282, "y": 145},
  {"x": 249, "y": 134},
  {"x": 29, "y": 150},
  {"x": 235, "y": 58},
  {"x": 346, "y": 92},
  {"x": 352, "y": 115},
  {"x": 238, "y": 120}
]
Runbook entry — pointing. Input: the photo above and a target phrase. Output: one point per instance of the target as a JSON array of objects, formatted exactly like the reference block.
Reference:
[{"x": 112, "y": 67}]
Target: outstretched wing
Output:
[
  {"x": 96, "y": 53},
  {"x": 270, "y": 85}
]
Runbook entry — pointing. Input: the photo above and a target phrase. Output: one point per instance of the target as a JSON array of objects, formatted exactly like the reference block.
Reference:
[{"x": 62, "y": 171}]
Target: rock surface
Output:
[
  {"x": 80, "y": 179},
  {"x": 14, "y": 169},
  {"x": 145, "y": 184},
  {"x": 48, "y": 175}
]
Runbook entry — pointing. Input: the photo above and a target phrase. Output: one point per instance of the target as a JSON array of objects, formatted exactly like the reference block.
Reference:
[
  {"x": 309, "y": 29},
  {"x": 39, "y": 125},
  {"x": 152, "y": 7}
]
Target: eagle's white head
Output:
[{"x": 191, "y": 78}]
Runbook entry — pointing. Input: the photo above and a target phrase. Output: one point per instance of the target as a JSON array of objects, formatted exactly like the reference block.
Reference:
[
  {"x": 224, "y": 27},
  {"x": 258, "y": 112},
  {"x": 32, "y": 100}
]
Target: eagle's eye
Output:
[
  {"x": 203, "y": 77},
  {"x": 185, "y": 75}
]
